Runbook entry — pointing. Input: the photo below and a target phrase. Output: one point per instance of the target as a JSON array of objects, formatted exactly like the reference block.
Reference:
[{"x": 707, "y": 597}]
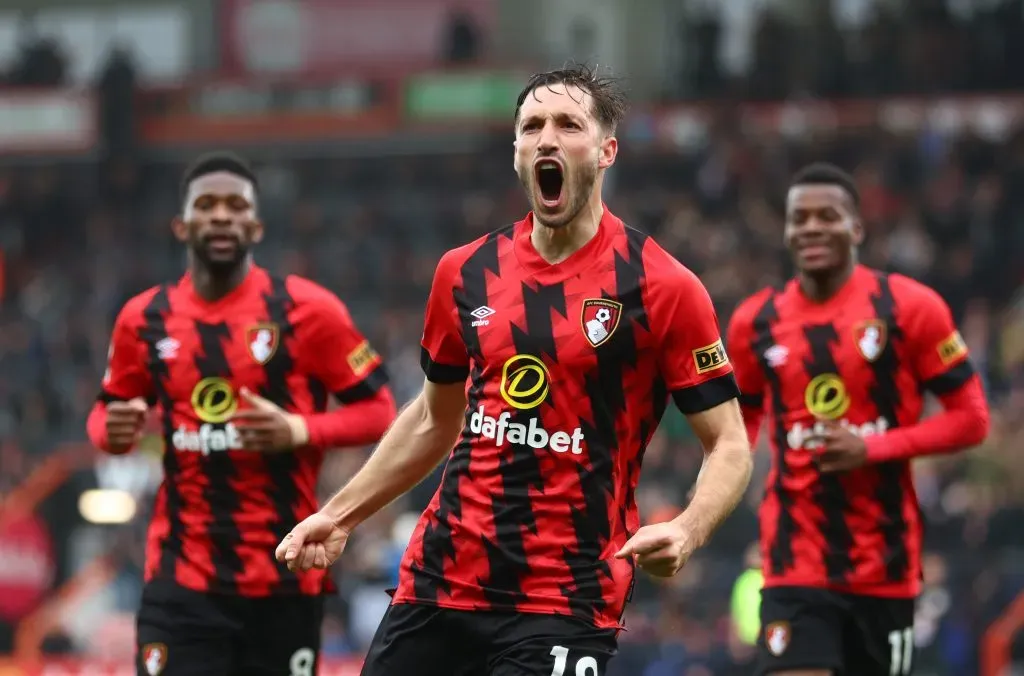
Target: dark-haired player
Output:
[
  {"x": 551, "y": 348},
  {"x": 839, "y": 359},
  {"x": 240, "y": 365}
]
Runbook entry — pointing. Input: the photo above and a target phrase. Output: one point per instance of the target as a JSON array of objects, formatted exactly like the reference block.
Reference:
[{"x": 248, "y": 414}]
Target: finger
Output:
[
  {"x": 639, "y": 544},
  {"x": 256, "y": 401},
  {"x": 251, "y": 416},
  {"x": 138, "y": 404},
  {"x": 293, "y": 542},
  {"x": 307, "y": 556},
  {"x": 122, "y": 427},
  {"x": 282, "y": 547},
  {"x": 320, "y": 558},
  {"x": 656, "y": 557}
]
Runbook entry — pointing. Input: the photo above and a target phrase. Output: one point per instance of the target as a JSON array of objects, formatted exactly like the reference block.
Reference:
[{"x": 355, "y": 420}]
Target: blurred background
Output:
[{"x": 382, "y": 131}]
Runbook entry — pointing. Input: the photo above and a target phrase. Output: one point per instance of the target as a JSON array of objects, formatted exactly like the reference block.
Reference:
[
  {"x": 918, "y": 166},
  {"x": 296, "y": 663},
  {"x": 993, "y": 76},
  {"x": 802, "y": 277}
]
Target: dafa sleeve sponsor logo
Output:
[
  {"x": 827, "y": 398},
  {"x": 214, "y": 402},
  {"x": 710, "y": 357},
  {"x": 525, "y": 385},
  {"x": 952, "y": 349}
]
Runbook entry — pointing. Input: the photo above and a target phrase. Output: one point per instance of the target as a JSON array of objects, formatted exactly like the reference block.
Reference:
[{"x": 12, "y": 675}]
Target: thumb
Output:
[
  {"x": 256, "y": 401},
  {"x": 138, "y": 404}
]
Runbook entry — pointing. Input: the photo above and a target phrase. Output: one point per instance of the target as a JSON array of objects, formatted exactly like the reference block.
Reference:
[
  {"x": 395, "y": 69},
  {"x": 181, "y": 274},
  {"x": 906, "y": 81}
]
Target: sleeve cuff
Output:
[
  {"x": 752, "y": 400},
  {"x": 951, "y": 380},
  {"x": 442, "y": 374},
  {"x": 365, "y": 388},
  {"x": 706, "y": 395}
]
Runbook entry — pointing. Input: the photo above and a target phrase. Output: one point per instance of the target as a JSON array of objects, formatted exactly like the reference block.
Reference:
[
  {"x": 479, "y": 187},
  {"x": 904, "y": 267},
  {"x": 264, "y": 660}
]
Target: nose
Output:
[
  {"x": 221, "y": 214},
  {"x": 547, "y": 143},
  {"x": 812, "y": 225}
]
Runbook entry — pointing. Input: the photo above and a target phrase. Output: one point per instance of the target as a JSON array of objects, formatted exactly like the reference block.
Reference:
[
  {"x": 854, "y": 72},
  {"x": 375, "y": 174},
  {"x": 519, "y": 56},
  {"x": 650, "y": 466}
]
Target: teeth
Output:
[{"x": 542, "y": 166}]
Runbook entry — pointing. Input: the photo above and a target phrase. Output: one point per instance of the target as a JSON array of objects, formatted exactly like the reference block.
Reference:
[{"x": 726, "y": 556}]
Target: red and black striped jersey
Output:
[
  {"x": 863, "y": 358},
  {"x": 568, "y": 370},
  {"x": 220, "y": 510}
]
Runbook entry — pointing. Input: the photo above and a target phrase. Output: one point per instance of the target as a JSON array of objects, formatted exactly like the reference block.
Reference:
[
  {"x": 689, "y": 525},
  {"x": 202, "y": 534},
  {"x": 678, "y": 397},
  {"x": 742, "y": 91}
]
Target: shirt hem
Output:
[
  {"x": 523, "y": 609},
  {"x": 899, "y": 590}
]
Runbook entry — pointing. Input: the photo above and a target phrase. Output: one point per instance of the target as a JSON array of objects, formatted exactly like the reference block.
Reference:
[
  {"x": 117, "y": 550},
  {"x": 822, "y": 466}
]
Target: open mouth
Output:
[{"x": 550, "y": 181}]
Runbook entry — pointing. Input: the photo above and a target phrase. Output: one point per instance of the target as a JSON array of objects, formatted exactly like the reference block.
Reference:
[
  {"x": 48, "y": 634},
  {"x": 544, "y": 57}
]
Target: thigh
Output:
[
  {"x": 801, "y": 628},
  {"x": 282, "y": 636},
  {"x": 420, "y": 640},
  {"x": 880, "y": 637},
  {"x": 184, "y": 633},
  {"x": 546, "y": 645}
]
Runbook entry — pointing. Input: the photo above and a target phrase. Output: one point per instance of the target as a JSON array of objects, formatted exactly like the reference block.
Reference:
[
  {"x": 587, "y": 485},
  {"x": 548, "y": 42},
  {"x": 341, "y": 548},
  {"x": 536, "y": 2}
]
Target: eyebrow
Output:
[{"x": 560, "y": 116}]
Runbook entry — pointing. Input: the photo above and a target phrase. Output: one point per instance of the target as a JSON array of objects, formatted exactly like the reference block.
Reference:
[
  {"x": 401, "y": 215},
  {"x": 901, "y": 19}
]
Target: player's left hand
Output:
[
  {"x": 660, "y": 550},
  {"x": 837, "y": 449},
  {"x": 267, "y": 427}
]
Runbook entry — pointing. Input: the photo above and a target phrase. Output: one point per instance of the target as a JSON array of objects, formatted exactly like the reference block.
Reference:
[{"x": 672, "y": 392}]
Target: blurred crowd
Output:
[{"x": 78, "y": 239}]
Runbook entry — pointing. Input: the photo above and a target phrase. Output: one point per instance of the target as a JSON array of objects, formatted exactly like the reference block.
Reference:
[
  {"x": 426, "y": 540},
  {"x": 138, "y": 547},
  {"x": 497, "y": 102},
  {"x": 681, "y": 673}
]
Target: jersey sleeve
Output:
[
  {"x": 340, "y": 356},
  {"x": 443, "y": 356},
  {"x": 126, "y": 376},
  {"x": 692, "y": 358},
  {"x": 747, "y": 369},
  {"x": 937, "y": 351}
]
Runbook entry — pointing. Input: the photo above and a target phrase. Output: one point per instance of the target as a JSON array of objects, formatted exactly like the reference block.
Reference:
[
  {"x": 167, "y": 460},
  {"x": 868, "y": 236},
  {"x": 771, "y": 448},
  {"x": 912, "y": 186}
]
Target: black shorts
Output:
[
  {"x": 424, "y": 640},
  {"x": 187, "y": 633},
  {"x": 806, "y": 628}
]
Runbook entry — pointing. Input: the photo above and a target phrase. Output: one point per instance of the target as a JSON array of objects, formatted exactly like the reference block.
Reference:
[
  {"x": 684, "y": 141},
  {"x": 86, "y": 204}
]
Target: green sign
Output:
[{"x": 479, "y": 95}]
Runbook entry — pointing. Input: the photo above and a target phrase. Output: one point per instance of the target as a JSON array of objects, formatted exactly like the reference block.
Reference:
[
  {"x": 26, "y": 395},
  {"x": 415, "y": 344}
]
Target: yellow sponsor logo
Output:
[
  {"x": 213, "y": 400},
  {"x": 524, "y": 382},
  {"x": 361, "y": 358},
  {"x": 952, "y": 348},
  {"x": 826, "y": 396},
  {"x": 710, "y": 357}
]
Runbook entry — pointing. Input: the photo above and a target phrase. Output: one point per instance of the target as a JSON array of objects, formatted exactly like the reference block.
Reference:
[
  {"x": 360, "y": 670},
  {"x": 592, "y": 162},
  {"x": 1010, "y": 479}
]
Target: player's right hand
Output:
[
  {"x": 124, "y": 423},
  {"x": 317, "y": 542}
]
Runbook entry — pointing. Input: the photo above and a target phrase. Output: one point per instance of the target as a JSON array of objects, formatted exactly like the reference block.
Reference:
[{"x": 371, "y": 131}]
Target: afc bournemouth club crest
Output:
[
  {"x": 776, "y": 637},
  {"x": 262, "y": 340},
  {"x": 600, "y": 319},
  {"x": 870, "y": 338},
  {"x": 154, "y": 658}
]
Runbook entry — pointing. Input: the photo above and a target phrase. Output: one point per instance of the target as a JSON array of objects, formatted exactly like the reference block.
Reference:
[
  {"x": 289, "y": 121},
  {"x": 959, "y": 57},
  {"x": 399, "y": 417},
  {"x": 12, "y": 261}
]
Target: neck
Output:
[
  {"x": 556, "y": 244},
  {"x": 822, "y": 286},
  {"x": 215, "y": 285}
]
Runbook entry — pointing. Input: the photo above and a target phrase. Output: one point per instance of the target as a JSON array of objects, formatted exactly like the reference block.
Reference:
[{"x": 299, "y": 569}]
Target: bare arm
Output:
[
  {"x": 726, "y": 472},
  {"x": 420, "y": 438}
]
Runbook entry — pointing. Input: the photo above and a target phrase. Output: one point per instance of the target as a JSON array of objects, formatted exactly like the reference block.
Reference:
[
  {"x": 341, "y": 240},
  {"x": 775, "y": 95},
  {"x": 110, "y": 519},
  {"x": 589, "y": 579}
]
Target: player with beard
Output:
[
  {"x": 240, "y": 365},
  {"x": 551, "y": 348},
  {"x": 839, "y": 360}
]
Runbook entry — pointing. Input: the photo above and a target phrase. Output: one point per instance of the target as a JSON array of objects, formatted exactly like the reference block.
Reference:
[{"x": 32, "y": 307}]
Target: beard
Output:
[
  {"x": 577, "y": 186},
  {"x": 218, "y": 263}
]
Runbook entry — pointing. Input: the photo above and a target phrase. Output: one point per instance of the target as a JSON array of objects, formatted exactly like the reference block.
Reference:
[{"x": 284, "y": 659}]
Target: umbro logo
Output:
[
  {"x": 167, "y": 348},
  {"x": 481, "y": 314}
]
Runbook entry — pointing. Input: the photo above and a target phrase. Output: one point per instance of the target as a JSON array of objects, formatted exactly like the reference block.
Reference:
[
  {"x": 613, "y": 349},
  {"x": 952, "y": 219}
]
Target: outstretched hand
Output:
[{"x": 317, "y": 542}]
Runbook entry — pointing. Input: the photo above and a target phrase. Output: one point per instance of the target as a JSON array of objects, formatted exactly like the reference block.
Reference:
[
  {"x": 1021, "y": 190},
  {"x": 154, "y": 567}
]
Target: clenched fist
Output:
[
  {"x": 124, "y": 423},
  {"x": 316, "y": 542},
  {"x": 661, "y": 549}
]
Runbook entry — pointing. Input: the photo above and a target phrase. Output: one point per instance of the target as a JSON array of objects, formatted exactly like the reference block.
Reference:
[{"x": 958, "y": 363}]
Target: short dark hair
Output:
[
  {"x": 211, "y": 163},
  {"x": 609, "y": 100},
  {"x": 824, "y": 173}
]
